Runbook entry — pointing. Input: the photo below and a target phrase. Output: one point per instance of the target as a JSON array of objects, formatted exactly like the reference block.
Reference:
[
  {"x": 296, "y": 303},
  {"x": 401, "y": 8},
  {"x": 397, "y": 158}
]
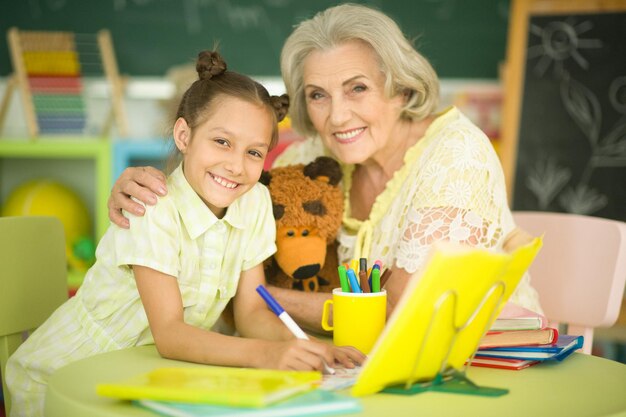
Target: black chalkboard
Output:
[
  {"x": 571, "y": 152},
  {"x": 461, "y": 38}
]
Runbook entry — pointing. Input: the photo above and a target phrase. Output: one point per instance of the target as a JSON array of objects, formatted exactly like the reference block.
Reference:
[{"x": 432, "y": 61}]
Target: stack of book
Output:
[
  {"x": 519, "y": 342},
  {"x": 223, "y": 391}
]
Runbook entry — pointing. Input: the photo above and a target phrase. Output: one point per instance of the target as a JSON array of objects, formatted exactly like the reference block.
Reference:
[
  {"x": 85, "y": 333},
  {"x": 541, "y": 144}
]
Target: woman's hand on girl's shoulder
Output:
[{"x": 142, "y": 183}]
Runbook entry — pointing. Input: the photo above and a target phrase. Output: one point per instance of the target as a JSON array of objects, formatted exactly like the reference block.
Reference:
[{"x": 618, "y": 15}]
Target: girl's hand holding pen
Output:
[
  {"x": 298, "y": 355},
  {"x": 345, "y": 356},
  {"x": 326, "y": 353},
  {"x": 306, "y": 355},
  {"x": 348, "y": 356}
]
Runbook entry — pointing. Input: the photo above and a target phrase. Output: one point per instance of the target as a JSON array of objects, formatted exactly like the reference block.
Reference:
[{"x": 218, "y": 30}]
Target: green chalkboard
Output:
[
  {"x": 463, "y": 39},
  {"x": 571, "y": 150}
]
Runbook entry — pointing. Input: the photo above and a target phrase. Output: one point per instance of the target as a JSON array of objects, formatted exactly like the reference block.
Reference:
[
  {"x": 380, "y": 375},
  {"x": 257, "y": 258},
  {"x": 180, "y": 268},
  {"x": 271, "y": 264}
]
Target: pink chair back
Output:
[{"x": 580, "y": 272}]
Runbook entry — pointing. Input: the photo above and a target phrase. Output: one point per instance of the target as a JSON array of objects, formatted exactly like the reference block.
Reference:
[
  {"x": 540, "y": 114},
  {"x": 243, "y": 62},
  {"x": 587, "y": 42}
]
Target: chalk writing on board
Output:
[
  {"x": 462, "y": 39},
  {"x": 237, "y": 17},
  {"x": 562, "y": 59},
  {"x": 445, "y": 8},
  {"x": 38, "y": 8},
  {"x": 560, "y": 41}
]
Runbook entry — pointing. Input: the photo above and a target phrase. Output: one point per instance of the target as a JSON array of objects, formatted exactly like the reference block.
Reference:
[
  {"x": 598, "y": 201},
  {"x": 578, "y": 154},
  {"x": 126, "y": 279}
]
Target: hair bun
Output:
[
  {"x": 210, "y": 64},
  {"x": 281, "y": 105}
]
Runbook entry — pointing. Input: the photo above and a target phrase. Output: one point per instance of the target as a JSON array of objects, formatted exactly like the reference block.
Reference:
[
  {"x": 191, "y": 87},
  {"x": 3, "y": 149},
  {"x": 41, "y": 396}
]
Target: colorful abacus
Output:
[
  {"x": 49, "y": 71},
  {"x": 54, "y": 77}
]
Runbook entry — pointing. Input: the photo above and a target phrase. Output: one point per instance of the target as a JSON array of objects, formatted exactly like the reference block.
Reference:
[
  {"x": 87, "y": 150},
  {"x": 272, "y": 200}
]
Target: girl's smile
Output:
[{"x": 224, "y": 182}]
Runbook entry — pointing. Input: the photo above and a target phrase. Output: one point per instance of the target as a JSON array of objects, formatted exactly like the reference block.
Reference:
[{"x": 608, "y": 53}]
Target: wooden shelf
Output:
[
  {"x": 67, "y": 159},
  {"x": 98, "y": 151},
  {"x": 126, "y": 153}
]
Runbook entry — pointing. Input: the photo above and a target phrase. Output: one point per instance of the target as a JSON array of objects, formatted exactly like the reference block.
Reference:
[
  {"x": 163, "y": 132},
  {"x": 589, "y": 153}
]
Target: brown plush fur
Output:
[{"x": 308, "y": 208}]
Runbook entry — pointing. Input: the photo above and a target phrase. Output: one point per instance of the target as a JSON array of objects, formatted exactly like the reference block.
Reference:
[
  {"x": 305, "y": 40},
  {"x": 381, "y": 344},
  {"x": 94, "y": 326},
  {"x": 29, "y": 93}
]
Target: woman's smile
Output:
[{"x": 349, "y": 136}]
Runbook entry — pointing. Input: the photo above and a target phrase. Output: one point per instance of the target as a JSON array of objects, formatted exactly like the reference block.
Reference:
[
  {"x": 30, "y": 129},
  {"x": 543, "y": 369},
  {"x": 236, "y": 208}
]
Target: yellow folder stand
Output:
[{"x": 440, "y": 319}]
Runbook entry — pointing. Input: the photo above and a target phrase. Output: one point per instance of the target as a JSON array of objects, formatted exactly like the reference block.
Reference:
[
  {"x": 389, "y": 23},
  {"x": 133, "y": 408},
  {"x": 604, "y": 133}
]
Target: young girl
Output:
[{"x": 167, "y": 278}]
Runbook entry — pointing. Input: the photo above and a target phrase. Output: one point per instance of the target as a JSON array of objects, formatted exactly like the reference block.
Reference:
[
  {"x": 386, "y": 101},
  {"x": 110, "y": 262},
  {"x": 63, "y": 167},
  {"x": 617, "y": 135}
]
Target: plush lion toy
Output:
[{"x": 308, "y": 208}]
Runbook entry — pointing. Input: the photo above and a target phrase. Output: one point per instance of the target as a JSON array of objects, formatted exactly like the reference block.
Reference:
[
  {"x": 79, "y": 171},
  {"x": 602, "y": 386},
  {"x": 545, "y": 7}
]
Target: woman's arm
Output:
[
  {"x": 176, "y": 339},
  {"x": 305, "y": 307},
  {"x": 399, "y": 277},
  {"x": 143, "y": 183}
]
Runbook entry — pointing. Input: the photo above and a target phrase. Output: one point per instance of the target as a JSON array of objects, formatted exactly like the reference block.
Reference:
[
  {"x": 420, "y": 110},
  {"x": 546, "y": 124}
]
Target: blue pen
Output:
[
  {"x": 286, "y": 318},
  {"x": 354, "y": 283}
]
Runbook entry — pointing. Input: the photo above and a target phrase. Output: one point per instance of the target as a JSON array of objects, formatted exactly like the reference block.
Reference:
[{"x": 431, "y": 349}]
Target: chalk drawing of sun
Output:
[{"x": 561, "y": 40}]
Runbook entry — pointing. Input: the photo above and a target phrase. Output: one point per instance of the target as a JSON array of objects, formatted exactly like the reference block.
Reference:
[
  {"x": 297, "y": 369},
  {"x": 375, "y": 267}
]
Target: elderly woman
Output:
[{"x": 362, "y": 94}]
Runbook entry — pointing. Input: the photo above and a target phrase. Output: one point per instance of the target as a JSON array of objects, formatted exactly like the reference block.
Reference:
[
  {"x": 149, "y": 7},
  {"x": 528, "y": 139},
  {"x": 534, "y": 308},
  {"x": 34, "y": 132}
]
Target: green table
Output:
[{"x": 582, "y": 385}]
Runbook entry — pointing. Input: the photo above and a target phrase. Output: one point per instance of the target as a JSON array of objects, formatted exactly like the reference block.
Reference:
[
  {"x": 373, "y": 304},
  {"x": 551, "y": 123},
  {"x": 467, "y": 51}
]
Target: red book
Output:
[
  {"x": 502, "y": 363},
  {"x": 544, "y": 336}
]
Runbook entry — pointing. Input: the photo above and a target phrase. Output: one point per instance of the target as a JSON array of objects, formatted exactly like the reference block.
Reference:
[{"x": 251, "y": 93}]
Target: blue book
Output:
[
  {"x": 565, "y": 345},
  {"x": 312, "y": 403}
]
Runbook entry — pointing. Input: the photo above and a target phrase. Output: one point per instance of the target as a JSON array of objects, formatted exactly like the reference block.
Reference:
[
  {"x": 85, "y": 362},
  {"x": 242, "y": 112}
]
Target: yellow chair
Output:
[
  {"x": 33, "y": 280},
  {"x": 580, "y": 272}
]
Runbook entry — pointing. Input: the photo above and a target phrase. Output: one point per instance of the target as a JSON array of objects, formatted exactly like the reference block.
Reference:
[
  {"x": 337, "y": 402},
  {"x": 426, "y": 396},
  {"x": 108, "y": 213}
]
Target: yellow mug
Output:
[{"x": 358, "y": 318}]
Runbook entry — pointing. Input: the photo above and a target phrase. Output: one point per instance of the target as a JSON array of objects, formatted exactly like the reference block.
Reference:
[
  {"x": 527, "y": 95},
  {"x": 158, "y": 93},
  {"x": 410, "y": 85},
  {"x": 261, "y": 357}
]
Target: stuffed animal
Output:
[{"x": 308, "y": 208}]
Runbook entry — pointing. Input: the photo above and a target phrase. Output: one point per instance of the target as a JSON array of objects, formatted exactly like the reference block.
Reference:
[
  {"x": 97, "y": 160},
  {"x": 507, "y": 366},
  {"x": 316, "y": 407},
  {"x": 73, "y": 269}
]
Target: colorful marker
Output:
[
  {"x": 365, "y": 286},
  {"x": 354, "y": 264},
  {"x": 354, "y": 283},
  {"x": 376, "y": 280},
  {"x": 343, "y": 279},
  {"x": 363, "y": 264}
]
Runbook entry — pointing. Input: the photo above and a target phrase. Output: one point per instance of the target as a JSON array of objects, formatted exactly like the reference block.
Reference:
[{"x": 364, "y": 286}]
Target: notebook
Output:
[
  {"x": 515, "y": 317},
  {"x": 565, "y": 346},
  {"x": 313, "y": 403},
  {"x": 519, "y": 338},
  {"x": 502, "y": 363},
  {"x": 241, "y": 387},
  {"x": 443, "y": 313}
]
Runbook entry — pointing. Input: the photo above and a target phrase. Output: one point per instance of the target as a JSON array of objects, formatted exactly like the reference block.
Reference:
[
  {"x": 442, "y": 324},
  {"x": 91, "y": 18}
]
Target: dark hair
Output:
[{"x": 214, "y": 82}]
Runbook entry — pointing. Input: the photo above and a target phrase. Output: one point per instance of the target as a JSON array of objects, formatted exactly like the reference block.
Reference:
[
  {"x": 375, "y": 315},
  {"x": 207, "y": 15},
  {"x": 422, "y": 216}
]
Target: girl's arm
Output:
[
  {"x": 176, "y": 339},
  {"x": 254, "y": 319},
  {"x": 143, "y": 183}
]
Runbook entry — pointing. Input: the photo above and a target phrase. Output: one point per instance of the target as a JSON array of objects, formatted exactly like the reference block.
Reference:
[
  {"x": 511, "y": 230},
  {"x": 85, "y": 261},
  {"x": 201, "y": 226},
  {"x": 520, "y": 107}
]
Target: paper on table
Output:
[{"x": 343, "y": 378}]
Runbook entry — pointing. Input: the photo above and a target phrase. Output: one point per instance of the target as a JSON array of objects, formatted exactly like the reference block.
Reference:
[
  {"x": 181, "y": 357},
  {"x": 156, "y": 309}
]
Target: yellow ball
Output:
[{"x": 50, "y": 198}]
